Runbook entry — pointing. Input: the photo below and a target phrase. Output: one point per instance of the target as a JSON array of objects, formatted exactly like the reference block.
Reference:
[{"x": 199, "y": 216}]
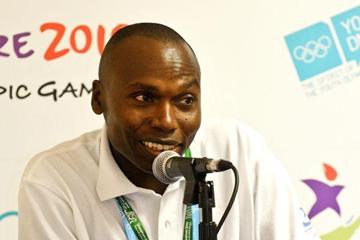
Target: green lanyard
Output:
[
  {"x": 138, "y": 228},
  {"x": 132, "y": 219},
  {"x": 136, "y": 225},
  {"x": 188, "y": 224}
]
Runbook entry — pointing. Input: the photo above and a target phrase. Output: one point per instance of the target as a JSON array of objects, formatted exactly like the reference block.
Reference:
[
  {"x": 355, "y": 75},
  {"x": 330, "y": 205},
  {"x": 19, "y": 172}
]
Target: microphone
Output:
[{"x": 169, "y": 166}]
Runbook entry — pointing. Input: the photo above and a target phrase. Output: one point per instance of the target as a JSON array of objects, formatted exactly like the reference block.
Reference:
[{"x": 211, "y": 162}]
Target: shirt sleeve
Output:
[
  {"x": 278, "y": 214},
  {"x": 43, "y": 214}
]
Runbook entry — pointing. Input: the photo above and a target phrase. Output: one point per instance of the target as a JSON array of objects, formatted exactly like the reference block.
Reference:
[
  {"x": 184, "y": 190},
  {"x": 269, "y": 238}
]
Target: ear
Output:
[{"x": 97, "y": 103}]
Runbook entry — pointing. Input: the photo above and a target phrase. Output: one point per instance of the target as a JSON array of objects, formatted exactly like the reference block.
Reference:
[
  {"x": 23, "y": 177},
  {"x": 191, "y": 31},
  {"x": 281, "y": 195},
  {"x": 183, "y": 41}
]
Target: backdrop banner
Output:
[{"x": 290, "y": 69}]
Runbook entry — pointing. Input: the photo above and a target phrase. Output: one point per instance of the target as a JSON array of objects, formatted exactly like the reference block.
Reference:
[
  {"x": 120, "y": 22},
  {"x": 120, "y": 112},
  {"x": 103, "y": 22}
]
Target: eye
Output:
[
  {"x": 144, "y": 98},
  {"x": 187, "y": 100}
]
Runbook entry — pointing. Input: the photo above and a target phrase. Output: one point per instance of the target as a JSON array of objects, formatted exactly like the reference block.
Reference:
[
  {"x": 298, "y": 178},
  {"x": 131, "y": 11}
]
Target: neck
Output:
[{"x": 137, "y": 176}]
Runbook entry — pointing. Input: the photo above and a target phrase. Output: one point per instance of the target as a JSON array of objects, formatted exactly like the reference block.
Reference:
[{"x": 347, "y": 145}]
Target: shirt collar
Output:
[{"x": 111, "y": 181}]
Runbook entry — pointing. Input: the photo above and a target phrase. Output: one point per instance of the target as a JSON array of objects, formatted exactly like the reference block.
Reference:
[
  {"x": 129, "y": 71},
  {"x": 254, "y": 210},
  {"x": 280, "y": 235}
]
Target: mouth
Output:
[{"x": 156, "y": 147}]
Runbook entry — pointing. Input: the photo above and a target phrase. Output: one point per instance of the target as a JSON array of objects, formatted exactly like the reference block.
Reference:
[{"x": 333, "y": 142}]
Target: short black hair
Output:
[{"x": 155, "y": 31}]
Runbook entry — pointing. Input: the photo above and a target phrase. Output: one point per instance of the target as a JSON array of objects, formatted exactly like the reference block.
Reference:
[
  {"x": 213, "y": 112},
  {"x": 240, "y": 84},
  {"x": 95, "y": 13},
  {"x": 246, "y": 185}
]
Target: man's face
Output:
[{"x": 150, "y": 99}]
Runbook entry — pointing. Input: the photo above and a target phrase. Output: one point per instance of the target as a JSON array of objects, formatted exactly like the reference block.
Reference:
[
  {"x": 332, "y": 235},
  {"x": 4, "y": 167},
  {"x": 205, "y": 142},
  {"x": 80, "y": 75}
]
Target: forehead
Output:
[{"x": 137, "y": 58}]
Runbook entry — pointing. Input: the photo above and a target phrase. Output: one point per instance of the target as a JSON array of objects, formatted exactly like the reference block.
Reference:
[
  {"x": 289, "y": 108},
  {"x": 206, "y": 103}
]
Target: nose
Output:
[{"x": 164, "y": 117}]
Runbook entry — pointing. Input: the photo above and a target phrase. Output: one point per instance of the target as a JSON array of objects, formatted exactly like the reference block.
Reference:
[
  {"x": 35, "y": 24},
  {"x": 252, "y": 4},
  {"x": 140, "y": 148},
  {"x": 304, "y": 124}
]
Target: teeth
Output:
[{"x": 157, "y": 146}]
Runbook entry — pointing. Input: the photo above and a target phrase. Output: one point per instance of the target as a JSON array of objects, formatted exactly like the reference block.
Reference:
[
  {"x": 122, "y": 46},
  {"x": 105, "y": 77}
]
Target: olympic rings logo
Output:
[{"x": 313, "y": 50}]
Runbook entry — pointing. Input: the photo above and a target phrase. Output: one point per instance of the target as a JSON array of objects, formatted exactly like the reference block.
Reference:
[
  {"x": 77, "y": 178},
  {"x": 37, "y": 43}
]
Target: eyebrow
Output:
[
  {"x": 142, "y": 86},
  {"x": 152, "y": 88},
  {"x": 190, "y": 84}
]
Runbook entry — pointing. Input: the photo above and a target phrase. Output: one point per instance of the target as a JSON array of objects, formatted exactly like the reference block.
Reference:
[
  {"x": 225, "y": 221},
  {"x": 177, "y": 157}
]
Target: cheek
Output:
[
  {"x": 118, "y": 122},
  {"x": 120, "y": 114},
  {"x": 191, "y": 123},
  {"x": 133, "y": 118},
  {"x": 127, "y": 123},
  {"x": 121, "y": 132}
]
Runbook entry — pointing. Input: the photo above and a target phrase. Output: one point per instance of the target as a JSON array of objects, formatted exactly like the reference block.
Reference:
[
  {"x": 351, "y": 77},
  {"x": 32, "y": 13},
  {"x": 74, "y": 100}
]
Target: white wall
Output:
[{"x": 247, "y": 73}]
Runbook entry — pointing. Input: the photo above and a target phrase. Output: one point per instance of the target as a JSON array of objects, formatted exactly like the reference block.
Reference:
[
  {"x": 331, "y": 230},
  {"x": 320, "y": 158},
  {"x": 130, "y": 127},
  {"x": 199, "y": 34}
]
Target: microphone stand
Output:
[
  {"x": 207, "y": 227},
  {"x": 199, "y": 191}
]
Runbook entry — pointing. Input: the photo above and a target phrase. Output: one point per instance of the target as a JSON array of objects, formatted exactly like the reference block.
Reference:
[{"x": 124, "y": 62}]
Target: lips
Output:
[{"x": 156, "y": 147}]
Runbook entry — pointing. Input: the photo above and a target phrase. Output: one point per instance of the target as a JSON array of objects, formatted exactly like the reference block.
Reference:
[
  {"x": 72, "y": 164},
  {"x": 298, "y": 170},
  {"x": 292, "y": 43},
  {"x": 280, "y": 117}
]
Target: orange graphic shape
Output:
[{"x": 330, "y": 172}]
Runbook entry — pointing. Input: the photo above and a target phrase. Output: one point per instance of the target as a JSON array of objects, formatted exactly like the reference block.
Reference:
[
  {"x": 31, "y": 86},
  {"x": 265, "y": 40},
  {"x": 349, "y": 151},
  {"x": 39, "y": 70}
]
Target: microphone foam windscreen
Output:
[{"x": 158, "y": 166}]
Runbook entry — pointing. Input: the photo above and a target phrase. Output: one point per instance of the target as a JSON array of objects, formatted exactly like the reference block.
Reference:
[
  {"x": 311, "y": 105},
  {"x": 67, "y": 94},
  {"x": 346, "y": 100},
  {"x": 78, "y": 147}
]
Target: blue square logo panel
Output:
[
  {"x": 347, "y": 27},
  {"x": 313, "y": 50}
]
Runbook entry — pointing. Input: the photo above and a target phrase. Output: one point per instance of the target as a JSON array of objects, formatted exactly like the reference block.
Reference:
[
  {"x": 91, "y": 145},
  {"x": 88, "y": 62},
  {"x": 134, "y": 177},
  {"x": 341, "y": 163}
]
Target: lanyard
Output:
[{"x": 135, "y": 230}]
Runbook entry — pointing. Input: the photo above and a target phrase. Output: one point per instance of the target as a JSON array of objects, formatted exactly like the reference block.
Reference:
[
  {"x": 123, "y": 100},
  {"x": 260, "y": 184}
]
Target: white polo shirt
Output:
[{"x": 69, "y": 191}]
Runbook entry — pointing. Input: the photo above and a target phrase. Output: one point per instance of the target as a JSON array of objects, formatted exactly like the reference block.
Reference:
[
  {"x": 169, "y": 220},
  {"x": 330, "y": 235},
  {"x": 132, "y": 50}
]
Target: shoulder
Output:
[
  {"x": 63, "y": 157},
  {"x": 228, "y": 136},
  {"x": 235, "y": 141}
]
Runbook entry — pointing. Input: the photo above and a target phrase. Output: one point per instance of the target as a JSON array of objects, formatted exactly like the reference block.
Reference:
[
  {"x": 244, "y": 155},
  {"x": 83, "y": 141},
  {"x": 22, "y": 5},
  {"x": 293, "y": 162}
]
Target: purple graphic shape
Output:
[
  {"x": 325, "y": 196},
  {"x": 3, "y": 41},
  {"x": 19, "y": 44}
]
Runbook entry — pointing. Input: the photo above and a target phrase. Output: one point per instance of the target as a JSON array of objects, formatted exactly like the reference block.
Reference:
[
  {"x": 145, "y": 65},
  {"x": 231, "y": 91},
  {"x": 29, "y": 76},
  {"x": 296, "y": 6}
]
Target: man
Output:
[{"x": 99, "y": 185}]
